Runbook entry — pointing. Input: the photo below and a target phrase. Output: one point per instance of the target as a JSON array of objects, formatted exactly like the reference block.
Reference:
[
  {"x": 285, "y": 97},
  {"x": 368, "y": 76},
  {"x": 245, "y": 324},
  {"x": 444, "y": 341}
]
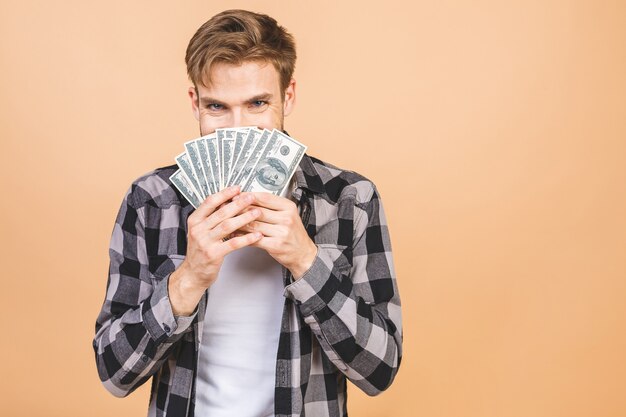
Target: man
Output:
[{"x": 252, "y": 304}]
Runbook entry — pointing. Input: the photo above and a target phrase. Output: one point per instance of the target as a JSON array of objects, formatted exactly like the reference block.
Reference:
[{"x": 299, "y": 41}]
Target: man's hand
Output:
[
  {"x": 284, "y": 236},
  {"x": 207, "y": 227}
]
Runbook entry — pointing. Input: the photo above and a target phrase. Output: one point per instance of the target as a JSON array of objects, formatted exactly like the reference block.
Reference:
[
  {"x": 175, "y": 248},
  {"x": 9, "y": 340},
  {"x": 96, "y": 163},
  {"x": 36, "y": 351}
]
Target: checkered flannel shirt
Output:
[{"x": 341, "y": 320}]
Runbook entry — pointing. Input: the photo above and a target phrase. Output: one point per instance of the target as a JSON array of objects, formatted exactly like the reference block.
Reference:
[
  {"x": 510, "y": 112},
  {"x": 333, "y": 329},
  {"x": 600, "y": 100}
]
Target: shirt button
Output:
[
  {"x": 166, "y": 328},
  {"x": 144, "y": 358}
]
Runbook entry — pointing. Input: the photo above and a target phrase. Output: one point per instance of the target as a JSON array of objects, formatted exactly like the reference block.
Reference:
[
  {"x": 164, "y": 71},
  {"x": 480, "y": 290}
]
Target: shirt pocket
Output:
[{"x": 160, "y": 266}]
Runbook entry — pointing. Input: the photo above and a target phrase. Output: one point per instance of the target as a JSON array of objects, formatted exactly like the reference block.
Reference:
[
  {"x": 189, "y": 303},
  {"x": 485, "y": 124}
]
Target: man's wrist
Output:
[
  {"x": 184, "y": 295},
  {"x": 305, "y": 263}
]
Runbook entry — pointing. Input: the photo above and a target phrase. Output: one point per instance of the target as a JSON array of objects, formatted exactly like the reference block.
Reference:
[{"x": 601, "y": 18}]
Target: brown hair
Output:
[{"x": 237, "y": 36}]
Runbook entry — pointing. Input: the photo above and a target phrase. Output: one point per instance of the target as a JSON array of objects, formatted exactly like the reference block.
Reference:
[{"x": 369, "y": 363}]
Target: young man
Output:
[{"x": 252, "y": 304}]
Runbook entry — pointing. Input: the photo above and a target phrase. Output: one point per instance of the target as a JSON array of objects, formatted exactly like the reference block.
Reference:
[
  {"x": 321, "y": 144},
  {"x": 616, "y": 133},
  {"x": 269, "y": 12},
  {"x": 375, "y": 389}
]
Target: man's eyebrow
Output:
[
  {"x": 261, "y": 97},
  {"x": 205, "y": 101}
]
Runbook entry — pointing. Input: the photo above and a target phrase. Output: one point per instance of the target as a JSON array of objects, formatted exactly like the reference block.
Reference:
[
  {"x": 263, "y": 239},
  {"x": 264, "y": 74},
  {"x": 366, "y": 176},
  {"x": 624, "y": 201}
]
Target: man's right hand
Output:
[{"x": 207, "y": 227}]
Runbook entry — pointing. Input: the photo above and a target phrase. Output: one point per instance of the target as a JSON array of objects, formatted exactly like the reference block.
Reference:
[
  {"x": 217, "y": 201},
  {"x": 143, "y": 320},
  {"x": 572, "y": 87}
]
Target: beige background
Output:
[{"x": 495, "y": 131}]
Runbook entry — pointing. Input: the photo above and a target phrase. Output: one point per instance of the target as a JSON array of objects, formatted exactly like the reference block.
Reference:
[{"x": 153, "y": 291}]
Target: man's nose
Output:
[{"x": 239, "y": 118}]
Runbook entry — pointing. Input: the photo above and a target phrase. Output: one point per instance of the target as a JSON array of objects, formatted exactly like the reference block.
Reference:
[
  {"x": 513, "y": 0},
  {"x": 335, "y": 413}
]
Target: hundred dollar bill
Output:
[
  {"x": 196, "y": 165},
  {"x": 259, "y": 139},
  {"x": 182, "y": 183},
  {"x": 185, "y": 165},
  {"x": 206, "y": 166},
  {"x": 240, "y": 138},
  {"x": 228, "y": 146},
  {"x": 249, "y": 142},
  {"x": 225, "y": 139},
  {"x": 277, "y": 165},
  {"x": 214, "y": 160}
]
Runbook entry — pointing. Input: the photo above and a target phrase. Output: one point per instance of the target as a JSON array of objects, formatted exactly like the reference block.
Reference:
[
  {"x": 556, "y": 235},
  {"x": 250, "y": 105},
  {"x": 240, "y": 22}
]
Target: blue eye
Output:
[
  {"x": 215, "y": 106},
  {"x": 259, "y": 103}
]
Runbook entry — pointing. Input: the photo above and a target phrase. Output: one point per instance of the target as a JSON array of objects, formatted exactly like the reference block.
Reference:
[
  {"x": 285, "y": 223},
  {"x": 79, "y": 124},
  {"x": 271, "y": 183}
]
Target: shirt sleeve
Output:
[
  {"x": 136, "y": 329},
  {"x": 353, "y": 308}
]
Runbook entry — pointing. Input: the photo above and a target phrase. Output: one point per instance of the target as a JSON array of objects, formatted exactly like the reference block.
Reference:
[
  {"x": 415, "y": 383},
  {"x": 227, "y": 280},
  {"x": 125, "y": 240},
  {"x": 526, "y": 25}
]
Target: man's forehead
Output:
[{"x": 224, "y": 75}]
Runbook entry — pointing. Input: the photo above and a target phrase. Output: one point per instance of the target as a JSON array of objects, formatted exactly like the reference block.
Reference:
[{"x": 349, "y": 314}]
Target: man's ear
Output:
[
  {"x": 290, "y": 97},
  {"x": 193, "y": 95}
]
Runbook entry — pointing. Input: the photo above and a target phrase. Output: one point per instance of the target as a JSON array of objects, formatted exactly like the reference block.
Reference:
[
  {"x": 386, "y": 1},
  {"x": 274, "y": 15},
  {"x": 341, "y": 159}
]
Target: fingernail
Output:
[{"x": 235, "y": 197}]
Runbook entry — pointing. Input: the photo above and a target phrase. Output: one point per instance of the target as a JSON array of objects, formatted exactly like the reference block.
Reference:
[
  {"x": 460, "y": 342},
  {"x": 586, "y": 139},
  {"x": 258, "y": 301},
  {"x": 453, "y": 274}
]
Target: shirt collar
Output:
[{"x": 307, "y": 177}]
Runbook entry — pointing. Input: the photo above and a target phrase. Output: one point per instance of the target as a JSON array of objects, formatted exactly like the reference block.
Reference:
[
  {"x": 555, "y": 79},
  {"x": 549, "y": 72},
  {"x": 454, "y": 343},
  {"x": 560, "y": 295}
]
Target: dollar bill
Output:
[
  {"x": 251, "y": 139},
  {"x": 257, "y": 160},
  {"x": 276, "y": 165},
  {"x": 185, "y": 165},
  {"x": 214, "y": 160},
  {"x": 260, "y": 138},
  {"x": 225, "y": 139},
  {"x": 240, "y": 138},
  {"x": 196, "y": 165},
  {"x": 228, "y": 146},
  {"x": 206, "y": 166},
  {"x": 182, "y": 183}
]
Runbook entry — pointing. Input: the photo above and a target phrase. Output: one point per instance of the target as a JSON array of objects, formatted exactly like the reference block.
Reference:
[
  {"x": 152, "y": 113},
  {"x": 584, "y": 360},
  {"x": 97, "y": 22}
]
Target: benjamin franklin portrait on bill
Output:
[{"x": 272, "y": 174}]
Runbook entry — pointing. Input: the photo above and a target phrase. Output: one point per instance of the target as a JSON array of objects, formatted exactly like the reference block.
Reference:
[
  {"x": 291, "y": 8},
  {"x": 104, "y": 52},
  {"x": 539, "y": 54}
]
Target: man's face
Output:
[{"x": 242, "y": 95}]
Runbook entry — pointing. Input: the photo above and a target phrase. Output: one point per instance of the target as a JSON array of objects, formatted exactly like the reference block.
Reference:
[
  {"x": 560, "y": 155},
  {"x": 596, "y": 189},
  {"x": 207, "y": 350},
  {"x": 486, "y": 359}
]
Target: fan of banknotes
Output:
[{"x": 255, "y": 159}]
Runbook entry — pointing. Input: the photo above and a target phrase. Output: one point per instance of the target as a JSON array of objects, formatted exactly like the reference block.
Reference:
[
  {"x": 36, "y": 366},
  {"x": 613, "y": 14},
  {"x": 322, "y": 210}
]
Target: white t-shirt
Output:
[{"x": 237, "y": 359}]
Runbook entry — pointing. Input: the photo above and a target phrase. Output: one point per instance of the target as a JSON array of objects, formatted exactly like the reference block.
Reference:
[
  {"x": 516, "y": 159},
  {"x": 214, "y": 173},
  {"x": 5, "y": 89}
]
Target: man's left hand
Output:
[{"x": 284, "y": 236}]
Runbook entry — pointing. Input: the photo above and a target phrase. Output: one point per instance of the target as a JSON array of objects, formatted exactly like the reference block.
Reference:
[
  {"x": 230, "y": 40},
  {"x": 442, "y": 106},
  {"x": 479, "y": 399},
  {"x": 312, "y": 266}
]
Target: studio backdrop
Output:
[{"x": 495, "y": 132}]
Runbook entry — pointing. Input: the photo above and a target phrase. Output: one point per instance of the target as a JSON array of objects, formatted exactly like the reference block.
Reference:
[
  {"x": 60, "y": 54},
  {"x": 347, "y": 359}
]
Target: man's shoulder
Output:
[
  {"x": 155, "y": 188},
  {"x": 338, "y": 183}
]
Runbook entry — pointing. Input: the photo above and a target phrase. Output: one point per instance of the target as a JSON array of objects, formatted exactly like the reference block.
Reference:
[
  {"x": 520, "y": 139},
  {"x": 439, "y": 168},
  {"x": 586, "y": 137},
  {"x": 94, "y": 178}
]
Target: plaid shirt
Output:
[{"x": 341, "y": 320}]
